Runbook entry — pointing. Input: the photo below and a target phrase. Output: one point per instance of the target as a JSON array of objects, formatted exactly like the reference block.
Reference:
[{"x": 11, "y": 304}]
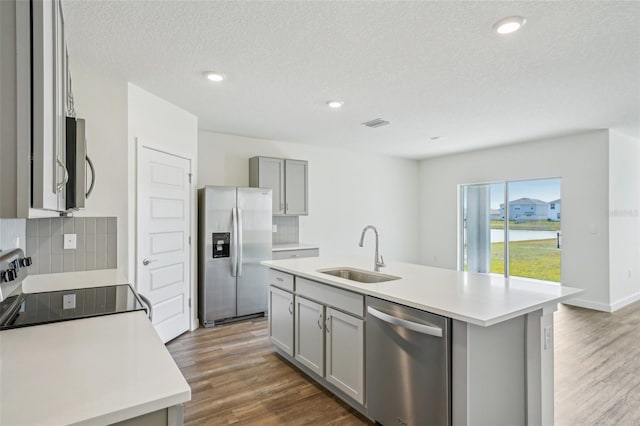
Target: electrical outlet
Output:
[
  {"x": 274, "y": 228},
  {"x": 548, "y": 336},
  {"x": 70, "y": 241},
  {"x": 69, "y": 301}
]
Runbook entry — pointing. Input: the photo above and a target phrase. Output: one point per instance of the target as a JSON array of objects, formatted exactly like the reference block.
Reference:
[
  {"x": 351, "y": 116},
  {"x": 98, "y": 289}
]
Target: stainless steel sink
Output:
[{"x": 358, "y": 275}]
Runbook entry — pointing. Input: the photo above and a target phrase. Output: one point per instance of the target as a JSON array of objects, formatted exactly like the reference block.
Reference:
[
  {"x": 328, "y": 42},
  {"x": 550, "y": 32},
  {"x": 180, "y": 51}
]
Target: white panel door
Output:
[
  {"x": 163, "y": 257},
  {"x": 281, "y": 319},
  {"x": 345, "y": 353},
  {"x": 309, "y": 334}
]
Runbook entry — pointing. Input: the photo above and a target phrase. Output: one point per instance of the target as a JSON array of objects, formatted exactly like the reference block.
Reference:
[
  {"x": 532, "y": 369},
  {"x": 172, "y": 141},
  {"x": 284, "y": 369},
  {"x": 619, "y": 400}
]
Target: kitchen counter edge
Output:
[{"x": 281, "y": 265}]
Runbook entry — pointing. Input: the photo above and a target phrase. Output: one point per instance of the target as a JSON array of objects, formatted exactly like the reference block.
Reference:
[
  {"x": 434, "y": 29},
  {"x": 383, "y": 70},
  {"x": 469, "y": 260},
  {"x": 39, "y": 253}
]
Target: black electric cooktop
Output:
[{"x": 54, "y": 306}]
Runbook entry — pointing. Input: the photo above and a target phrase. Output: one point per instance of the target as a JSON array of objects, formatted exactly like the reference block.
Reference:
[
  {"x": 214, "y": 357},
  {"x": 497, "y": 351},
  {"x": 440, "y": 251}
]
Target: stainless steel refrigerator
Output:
[{"x": 234, "y": 236}]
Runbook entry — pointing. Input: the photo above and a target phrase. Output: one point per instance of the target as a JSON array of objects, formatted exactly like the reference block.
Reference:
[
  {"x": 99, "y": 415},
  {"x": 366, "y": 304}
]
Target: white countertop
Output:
[
  {"x": 97, "y": 370},
  {"x": 293, "y": 246},
  {"x": 481, "y": 299}
]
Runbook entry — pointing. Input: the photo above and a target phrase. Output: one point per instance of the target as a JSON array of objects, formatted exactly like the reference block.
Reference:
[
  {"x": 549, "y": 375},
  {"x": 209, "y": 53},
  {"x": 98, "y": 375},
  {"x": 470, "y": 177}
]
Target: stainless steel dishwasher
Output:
[{"x": 408, "y": 365}]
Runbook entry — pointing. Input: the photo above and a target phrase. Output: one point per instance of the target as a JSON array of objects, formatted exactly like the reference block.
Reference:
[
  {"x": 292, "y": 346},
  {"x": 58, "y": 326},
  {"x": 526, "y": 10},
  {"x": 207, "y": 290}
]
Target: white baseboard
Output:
[
  {"x": 625, "y": 301},
  {"x": 583, "y": 303}
]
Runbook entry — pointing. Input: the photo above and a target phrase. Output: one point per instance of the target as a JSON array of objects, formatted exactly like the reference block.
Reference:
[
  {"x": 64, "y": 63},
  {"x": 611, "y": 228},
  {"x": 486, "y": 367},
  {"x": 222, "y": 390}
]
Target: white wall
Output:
[
  {"x": 102, "y": 101},
  {"x": 582, "y": 163},
  {"x": 166, "y": 127},
  {"x": 347, "y": 191},
  {"x": 624, "y": 219}
]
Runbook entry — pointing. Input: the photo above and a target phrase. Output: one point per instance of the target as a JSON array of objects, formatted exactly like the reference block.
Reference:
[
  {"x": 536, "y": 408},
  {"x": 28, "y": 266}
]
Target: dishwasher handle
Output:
[{"x": 414, "y": 326}]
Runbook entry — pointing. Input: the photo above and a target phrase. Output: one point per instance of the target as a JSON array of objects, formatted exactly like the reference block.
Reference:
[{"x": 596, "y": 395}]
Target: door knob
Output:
[{"x": 145, "y": 262}]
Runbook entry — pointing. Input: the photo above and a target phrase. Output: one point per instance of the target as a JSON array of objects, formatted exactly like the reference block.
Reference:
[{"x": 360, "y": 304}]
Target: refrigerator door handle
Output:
[
  {"x": 239, "y": 245},
  {"x": 234, "y": 242}
]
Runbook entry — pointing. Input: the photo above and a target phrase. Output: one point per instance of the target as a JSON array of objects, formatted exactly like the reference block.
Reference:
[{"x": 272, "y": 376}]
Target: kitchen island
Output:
[
  {"x": 501, "y": 350},
  {"x": 111, "y": 369}
]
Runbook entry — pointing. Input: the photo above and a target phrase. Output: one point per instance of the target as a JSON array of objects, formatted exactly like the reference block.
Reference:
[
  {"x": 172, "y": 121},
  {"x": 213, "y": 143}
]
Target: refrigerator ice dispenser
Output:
[{"x": 221, "y": 244}]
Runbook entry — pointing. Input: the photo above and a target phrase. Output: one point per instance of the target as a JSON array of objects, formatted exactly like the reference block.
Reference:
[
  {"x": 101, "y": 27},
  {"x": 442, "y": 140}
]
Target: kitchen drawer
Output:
[
  {"x": 281, "y": 280},
  {"x": 293, "y": 254},
  {"x": 343, "y": 300}
]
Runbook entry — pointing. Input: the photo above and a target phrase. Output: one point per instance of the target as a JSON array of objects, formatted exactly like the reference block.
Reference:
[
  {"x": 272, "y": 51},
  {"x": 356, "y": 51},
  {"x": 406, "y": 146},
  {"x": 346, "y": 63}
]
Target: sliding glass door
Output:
[{"x": 512, "y": 228}]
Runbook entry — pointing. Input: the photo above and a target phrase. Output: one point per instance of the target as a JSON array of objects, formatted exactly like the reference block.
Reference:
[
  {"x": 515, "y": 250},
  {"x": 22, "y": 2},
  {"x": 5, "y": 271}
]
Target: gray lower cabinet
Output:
[
  {"x": 345, "y": 353},
  {"x": 327, "y": 332},
  {"x": 281, "y": 319},
  {"x": 288, "y": 180},
  {"x": 331, "y": 344},
  {"x": 309, "y": 334},
  {"x": 170, "y": 416}
]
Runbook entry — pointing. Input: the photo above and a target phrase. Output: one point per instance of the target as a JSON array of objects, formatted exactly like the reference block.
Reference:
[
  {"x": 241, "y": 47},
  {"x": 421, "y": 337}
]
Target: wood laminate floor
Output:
[
  {"x": 236, "y": 377},
  {"x": 597, "y": 366}
]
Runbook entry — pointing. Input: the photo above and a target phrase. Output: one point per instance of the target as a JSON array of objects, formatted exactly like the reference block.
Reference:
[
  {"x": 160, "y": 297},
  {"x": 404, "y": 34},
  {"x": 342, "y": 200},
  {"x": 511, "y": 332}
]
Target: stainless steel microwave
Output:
[{"x": 77, "y": 161}]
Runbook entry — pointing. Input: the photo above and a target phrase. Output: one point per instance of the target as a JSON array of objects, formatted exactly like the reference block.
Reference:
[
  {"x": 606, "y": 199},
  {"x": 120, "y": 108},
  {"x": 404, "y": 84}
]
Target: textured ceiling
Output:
[{"x": 430, "y": 68}]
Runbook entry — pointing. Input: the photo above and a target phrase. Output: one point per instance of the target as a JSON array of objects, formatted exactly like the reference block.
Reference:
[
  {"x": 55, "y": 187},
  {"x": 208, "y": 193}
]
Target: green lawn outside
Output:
[
  {"x": 539, "y": 259},
  {"x": 543, "y": 225}
]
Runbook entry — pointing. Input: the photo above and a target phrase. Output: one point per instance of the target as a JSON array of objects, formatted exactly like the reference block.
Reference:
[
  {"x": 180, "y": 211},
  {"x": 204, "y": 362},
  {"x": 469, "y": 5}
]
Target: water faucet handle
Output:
[{"x": 381, "y": 263}]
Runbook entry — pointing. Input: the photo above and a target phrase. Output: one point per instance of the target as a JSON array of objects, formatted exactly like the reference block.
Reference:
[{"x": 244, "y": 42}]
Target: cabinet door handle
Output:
[
  {"x": 291, "y": 308},
  {"x": 93, "y": 176},
  {"x": 326, "y": 323},
  {"x": 62, "y": 184},
  {"x": 279, "y": 279},
  {"x": 320, "y": 322},
  {"x": 287, "y": 207}
]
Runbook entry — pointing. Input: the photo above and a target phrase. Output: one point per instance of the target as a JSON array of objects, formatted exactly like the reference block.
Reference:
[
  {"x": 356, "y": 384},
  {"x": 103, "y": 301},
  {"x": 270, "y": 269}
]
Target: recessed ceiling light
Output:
[
  {"x": 335, "y": 104},
  {"x": 214, "y": 76},
  {"x": 509, "y": 25}
]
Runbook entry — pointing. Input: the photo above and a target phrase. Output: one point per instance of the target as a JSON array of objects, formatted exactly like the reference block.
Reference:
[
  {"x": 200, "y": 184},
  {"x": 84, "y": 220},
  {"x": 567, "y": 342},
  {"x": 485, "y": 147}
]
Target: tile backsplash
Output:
[
  {"x": 96, "y": 244},
  {"x": 288, "y": 230}
]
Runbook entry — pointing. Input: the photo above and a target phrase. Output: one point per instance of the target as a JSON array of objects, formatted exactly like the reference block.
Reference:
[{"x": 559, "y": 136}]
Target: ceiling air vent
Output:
[{"x": 378, "y": 122}]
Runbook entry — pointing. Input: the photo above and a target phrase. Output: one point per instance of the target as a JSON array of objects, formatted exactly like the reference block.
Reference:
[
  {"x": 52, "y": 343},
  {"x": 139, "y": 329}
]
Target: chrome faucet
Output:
[{"x": 378, "y": 261}]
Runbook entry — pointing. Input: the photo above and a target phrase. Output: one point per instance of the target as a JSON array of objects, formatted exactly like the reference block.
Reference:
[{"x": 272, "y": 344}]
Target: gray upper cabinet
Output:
[
  {"x": 288, "y": 179},
  {"x": 48, "y": 90},
  {"x": 296, "y": 184},
  {"x": 266, "y": 172}
]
